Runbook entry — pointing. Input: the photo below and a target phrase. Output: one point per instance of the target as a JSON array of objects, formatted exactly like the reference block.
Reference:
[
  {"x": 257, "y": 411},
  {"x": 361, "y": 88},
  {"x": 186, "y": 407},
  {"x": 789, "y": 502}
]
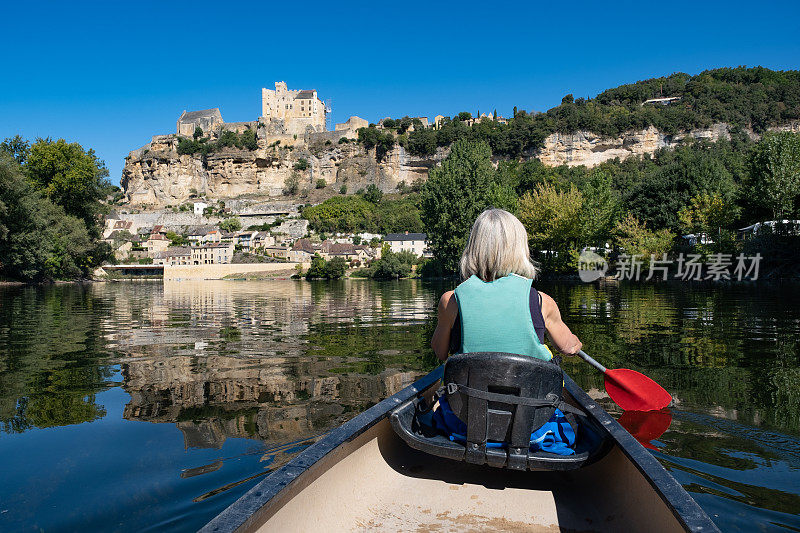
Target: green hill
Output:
[{"x": 754, "y": 98}]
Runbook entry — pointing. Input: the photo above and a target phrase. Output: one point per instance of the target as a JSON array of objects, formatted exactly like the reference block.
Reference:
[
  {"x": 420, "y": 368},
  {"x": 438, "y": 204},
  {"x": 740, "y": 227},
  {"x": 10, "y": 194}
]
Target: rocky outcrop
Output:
[
  {"x": 156, "y": 175},
  {"x": 590, "y": 149}
]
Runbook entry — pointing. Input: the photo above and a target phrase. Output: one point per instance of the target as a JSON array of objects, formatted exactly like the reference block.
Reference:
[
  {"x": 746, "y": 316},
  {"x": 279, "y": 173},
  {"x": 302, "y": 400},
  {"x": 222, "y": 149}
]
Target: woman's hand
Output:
[
  {"x": 566, "y": 342},
  {"x": 447, "y": 312}
]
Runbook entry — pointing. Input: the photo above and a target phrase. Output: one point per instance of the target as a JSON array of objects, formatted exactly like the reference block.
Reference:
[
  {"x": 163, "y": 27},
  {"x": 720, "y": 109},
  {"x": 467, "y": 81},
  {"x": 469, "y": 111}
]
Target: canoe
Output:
[{"x": 363, "y": 476}]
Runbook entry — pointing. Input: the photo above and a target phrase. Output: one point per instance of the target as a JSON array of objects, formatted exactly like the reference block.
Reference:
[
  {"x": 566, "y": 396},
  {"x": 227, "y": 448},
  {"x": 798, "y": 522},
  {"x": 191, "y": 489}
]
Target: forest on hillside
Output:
[{"x": 745, "y": 98}]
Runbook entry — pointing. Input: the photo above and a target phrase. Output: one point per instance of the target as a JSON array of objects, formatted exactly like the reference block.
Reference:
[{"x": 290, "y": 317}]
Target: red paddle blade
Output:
[
  {"x": 646, "y": 426},
  {"x": 634, "y": 391}
]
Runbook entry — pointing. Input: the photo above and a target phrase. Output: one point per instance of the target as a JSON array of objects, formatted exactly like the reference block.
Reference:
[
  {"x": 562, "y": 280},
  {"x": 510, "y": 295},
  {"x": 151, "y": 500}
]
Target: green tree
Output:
[
  {"x": 453, "y": 196},
  {"x": 70, "y": 177},
  {"x": 16, "y": 147},
  {"x": 317, "y": 269},
  {"x": 248, "y": 140},
  {"x": 321, "y": 184},
  {"x": 292, "y": 184},
  {"x": 335, "y": 268},
  {"x": 775, "y": 167},
  {"x": 301, "y": 164},
  {"x": 231, "y": 224},
  {"x": 198, "y": 132},
  {"x": 636, "y": 239},
  {"x": 390, "y": 266},
  {"x": 372, "y": 137},
  {"x": 422, "y": 142},
  {"x": 39, "y": 240},
  {"x": 373, "y": 194},
  {"x": 707, "y": 213},
  {"x": 177, "y": 240},
  {"x": 555, "y": 223}
]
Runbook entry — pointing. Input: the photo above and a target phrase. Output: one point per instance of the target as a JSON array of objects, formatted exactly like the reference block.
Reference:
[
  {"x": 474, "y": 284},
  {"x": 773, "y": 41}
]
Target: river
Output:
[{"x": 138, "y": 406}]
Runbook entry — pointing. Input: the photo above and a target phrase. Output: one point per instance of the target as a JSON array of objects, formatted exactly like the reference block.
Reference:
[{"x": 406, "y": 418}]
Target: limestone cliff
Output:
[
  {"x": 590, "y": 149},
  {"x": 155, "y": 175}
]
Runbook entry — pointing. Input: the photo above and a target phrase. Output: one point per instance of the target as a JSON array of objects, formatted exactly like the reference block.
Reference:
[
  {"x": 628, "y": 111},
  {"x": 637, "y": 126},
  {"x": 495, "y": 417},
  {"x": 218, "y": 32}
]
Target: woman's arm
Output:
[
  {"x": 448, "y": 310},
  {"x": 566, "y": 341}
]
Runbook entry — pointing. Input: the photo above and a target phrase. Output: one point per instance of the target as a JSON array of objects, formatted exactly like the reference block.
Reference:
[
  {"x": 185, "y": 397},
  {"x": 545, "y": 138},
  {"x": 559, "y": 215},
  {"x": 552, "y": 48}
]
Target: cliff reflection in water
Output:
[{"x": 279, "y": 361}]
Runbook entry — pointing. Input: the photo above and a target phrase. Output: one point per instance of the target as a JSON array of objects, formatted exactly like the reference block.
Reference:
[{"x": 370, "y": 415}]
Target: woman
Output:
[{"x": 496, "y": 309}]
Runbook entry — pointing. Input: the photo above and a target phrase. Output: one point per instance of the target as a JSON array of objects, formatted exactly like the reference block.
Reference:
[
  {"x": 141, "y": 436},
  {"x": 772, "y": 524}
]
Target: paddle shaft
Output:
[{"x": 583, "y": 355}]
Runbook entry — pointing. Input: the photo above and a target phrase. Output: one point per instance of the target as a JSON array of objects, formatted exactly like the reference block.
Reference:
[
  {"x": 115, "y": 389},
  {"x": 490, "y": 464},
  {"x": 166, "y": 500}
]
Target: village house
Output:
[
  {"x": 156, "y": 243},
  {"x": 212, "y": 254},
  {"x": 197, "y": 234},
  {"x": 174, "y": 255},
  {"x": 242, "y": 239},
  {"x": 213, "y": 235},
  {"x": 199, "y": 208},
  {"x": 278, "y": 252},
  {"x": 113, "y": 226},
  {"x": 302, "y": 250},
  {"x": 415, "y": 243},
  {"x": 350, "y": 252},
  {"x": 261, "y": 240}
]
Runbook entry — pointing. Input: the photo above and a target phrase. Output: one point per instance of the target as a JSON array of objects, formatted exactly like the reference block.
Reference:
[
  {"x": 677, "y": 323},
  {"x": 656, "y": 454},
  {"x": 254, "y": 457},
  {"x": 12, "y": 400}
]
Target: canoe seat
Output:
[{"x": 501, "y": 398}]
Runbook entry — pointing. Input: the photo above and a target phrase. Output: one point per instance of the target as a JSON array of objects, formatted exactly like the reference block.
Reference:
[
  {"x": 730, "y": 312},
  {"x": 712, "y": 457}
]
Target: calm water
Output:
[{"x": 149, "y": 406}]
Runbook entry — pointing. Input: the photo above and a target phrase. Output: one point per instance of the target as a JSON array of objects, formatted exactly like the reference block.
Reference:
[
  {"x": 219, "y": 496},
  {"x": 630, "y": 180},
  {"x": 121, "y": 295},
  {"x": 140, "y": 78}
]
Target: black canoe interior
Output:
[{"x": 489, "y": 371}]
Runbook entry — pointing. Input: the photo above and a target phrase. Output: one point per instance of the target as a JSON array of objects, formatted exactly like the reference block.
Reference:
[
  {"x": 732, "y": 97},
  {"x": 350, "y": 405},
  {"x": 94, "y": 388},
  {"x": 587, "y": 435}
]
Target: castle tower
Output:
[{"x": 298, "y": 109}]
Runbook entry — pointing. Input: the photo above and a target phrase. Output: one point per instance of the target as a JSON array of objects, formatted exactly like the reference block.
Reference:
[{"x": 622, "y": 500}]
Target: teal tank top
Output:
[{"x": 496, "y": 317}]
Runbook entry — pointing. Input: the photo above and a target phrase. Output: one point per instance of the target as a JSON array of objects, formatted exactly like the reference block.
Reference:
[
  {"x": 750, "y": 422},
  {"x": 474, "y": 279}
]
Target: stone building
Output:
[
  {"x": 350, "y": 128},
  {"x": 211, "y": 254},
  {"x": 298, "y": 110},
  {"x": 415, "y": 243},
  {"x": 207, "y": 119},
  {"x": 174, "y": 255}
]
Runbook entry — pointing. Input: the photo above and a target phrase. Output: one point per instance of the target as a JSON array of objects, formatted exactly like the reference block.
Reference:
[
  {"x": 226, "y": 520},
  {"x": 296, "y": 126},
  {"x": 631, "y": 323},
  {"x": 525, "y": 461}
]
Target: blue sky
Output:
[{"x": 111, "y": 74}]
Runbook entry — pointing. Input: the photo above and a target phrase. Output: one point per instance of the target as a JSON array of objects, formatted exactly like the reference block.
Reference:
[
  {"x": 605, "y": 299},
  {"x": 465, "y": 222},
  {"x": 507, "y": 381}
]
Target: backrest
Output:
[{"x": 486, "y": 420}]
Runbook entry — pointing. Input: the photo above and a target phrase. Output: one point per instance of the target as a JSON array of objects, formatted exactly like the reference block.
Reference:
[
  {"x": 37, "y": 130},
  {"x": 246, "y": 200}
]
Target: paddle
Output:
[{"x": 631, "y": 390}]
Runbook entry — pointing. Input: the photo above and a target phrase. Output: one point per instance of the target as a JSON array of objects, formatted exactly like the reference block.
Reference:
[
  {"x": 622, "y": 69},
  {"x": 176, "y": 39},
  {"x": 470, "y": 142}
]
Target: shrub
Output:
[
  {"x": 302, "y": 164},
  {"x": 292, "y": 184},
  {"x": 343, "y": 189},
  {"x": 231, "y": 224},
  {"x": 373, "y": 194},
  {"x": 321, "y": 184}
]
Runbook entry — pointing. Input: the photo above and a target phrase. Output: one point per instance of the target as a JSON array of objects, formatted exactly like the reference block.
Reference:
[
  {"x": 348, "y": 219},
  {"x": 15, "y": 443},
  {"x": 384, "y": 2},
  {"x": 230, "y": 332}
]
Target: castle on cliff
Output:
[
  {"x": 283, "y": 111},
  {"x": 299, "y": 110}
]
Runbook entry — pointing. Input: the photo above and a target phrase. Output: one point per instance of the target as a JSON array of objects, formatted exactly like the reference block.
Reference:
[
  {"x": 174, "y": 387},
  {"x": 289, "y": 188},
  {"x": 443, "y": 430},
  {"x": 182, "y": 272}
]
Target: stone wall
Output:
[{"x": 219, "y": 271}]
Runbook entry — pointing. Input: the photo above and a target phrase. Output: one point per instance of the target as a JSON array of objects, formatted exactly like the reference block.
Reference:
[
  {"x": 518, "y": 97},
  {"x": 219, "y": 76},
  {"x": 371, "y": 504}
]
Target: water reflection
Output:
[
  {"x": 274, "y": 361},
  {"x": 189, "y": 392}
]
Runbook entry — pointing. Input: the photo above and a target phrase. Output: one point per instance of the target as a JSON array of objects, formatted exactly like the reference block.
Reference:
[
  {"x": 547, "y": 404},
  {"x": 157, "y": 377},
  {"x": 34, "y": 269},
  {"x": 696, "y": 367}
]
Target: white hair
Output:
[{"x": 497, "y": 247}]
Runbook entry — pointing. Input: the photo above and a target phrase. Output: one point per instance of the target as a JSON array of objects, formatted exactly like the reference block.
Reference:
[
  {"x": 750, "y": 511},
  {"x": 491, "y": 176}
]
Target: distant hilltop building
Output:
[
  {"x": 298, "y": 109},
  {"x": 207, "y": 119}
]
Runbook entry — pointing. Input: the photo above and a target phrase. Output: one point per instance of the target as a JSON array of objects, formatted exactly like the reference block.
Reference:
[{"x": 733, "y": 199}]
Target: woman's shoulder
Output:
[
  {"x": 548, "y": 304},
  {"x": 446, "y": 298},
  {"x": 448, "y": 304}
]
